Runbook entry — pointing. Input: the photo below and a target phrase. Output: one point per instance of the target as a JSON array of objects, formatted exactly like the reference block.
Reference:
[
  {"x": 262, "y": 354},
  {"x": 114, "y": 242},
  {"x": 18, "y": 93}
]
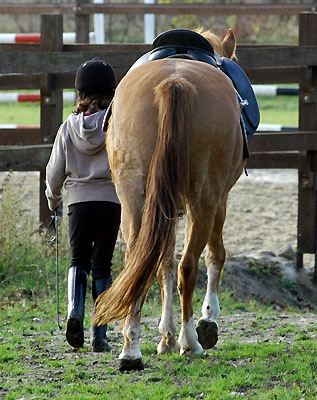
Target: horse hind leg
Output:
[
  {"x": 166, "y": 278},
  {"x": 198, "y": 230},
  {"x": 131, "y": 358},
  {"x": 207, "y": 327},
  {"x": 132, "y": 203}
]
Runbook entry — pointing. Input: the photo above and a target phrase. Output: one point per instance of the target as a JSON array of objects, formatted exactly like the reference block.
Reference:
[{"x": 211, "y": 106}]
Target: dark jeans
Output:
[{"x": 93, "y": 230}]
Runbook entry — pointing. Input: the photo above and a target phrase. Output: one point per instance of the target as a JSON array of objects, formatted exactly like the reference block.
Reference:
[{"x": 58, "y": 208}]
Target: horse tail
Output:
[{"x": 167, "y": 189}]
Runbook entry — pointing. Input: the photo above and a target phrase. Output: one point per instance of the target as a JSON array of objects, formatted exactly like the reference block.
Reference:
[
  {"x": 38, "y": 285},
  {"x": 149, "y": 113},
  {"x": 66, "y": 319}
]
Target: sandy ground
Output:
[
  {"x": 261, "y": 214},
  {"x": 261, "y": 222}
]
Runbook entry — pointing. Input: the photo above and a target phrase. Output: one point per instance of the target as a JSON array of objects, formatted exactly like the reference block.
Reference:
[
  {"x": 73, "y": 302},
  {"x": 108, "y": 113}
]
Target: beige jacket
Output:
[{"x": 79, "y": 162}]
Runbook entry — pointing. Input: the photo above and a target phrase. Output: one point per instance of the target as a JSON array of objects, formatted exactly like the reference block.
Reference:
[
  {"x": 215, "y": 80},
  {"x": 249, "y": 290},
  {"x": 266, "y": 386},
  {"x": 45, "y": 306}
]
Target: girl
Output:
[{"x": 79, "y": 163}]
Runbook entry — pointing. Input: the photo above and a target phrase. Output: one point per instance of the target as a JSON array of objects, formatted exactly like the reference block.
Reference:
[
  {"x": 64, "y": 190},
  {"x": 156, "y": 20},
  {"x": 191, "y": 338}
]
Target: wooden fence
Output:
[
  {"x": 51, "y": 66},
  {"x": 85, "y": 7}
]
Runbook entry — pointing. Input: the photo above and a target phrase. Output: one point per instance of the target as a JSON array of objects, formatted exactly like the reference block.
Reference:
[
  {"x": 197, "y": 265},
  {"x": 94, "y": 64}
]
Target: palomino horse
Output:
[{"x": 175, "y": 144}]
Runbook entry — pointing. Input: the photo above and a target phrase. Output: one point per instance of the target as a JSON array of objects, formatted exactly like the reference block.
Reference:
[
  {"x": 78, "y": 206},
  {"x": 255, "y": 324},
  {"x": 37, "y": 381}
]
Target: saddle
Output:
[
  {"x": 184, "y": 43},
  {"x": 179, "y": 43},
  {"x": 187, "y": 44}
]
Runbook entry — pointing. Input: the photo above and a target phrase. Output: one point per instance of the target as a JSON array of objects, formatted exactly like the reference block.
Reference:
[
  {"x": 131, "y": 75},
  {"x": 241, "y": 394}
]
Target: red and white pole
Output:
[
  {"x": 8, "y": 97},
  {"x": 10, "y": 38}
]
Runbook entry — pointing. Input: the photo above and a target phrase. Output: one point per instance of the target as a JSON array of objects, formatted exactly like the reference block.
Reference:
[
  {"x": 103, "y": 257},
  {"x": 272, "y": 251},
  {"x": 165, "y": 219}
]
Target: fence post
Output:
[
  {"x": 51, "y": 98},
  {"x": 82, "y": 24},
  {"x": 307, "y": 189}
]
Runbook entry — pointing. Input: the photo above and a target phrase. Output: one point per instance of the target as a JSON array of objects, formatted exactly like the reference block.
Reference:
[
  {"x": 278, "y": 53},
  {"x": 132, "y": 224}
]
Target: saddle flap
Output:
[
  {"x": 182, "y": 38},
  {"x": 250, "y": 113}
]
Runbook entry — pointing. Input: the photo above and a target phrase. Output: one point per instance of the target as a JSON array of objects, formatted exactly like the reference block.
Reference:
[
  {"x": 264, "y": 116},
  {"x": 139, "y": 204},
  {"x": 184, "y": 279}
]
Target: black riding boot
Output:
[
  {"x": 99, "y": 337},
  {"x": 77, "y": 284}
]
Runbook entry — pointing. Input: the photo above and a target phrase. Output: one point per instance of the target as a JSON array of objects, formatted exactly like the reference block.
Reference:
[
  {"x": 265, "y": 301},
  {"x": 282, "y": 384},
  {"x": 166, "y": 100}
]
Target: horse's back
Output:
[
  {"x": 213, "y": 88},
  {"x": 215, "y": 136},
  {"x": 214, "y": 103}
]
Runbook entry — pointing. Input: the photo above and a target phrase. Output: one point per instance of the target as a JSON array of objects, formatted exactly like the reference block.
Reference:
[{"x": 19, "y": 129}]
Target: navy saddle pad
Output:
[{"x": 250, "y": 113}]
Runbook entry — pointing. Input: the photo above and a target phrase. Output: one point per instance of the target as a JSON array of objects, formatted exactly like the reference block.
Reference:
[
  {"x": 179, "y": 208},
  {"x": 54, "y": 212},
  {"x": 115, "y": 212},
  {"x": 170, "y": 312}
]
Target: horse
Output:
[{"x": 175, "y": 145}]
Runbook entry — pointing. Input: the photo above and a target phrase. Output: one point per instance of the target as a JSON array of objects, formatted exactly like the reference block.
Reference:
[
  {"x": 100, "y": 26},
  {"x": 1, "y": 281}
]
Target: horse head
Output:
[{"x": 225, "y": 47}]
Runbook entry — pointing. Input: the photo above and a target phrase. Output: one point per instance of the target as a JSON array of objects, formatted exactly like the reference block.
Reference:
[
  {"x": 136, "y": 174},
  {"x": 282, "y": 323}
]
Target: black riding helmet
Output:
[{"x": 96, "y": 77}]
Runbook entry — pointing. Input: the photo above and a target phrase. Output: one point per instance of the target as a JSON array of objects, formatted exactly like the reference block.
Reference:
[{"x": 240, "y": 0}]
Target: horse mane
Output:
[{"x": 216, "y": 42}]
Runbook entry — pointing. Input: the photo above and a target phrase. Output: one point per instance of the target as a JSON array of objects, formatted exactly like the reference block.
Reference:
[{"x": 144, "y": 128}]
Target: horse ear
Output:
[{"x": 229, "y": 44}]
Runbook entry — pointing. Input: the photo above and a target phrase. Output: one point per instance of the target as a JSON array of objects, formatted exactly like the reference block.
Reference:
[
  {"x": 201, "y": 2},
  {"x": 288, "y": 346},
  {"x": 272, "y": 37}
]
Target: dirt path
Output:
[
  {"x": 261, "y": 215},
  {"x": 261, "y": 223}
]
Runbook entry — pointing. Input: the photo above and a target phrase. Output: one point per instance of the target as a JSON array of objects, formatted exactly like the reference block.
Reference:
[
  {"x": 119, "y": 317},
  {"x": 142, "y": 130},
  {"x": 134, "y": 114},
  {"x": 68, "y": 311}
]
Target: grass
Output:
[
  {"x": 24, "y": 252},
  {"x": 274, "y": 110},
  {"x": 279, "y": 110},
  {"x": 26, "y": 113},
  {"x": 261, "y": 354},
  {"x": 36, "y": 362}
]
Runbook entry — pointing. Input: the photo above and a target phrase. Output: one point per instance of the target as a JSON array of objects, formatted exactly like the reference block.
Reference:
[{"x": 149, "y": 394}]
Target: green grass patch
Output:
[
  {"x": 278, "y": 110},
  {"x": 274, "y": 110},
  {"x": 260, "y": 354},
  {"x": 26, "y": 259},
  {"x": 26, "y": 113},
  {"x": 41, "y": 365}
]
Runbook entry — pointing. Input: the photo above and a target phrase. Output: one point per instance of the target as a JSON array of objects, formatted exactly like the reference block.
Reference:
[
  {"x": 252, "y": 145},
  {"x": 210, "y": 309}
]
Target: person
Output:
[{"x": 79, "y": 163}]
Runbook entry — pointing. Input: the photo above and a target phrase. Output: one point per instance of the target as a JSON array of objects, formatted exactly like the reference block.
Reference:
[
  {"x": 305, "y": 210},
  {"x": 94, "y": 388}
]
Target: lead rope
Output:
[
  {"x": 57, "y": 272},
  {"x": 54, "y": 238}
]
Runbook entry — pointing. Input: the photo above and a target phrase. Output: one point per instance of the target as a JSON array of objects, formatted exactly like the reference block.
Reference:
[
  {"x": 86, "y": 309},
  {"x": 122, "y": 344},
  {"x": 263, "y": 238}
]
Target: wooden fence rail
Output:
[
  {"x": 51, "y": 66},
  {"x": 82, "y": 8}
]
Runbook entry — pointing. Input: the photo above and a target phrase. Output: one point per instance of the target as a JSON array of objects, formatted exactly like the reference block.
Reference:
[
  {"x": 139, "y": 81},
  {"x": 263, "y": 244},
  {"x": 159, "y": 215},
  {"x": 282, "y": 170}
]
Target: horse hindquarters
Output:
[
  {"x": 208, "y": 163},
  {"x": 167, "y": 186},
  {"x": 200, "y": 211},
  {"x": 215, "y": 165},
  {"x": 174, "y": 97}
]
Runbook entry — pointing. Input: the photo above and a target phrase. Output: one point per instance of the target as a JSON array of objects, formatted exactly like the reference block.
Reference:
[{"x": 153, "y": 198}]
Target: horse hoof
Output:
[
  {"x": 192, "y": 352},
  {"x": 170, "y": 347},
  {"x": 131, "y": 365},
  {"x": 207, "y": 333}
]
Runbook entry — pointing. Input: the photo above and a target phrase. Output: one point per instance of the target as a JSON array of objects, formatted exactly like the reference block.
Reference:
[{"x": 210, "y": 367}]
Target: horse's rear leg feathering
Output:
[{"x": 166, "y": 189}]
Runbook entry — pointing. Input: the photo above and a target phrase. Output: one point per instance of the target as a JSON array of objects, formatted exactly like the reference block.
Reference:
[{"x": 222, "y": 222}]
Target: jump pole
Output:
[
  {"x": 11, "y": 38},
  {"x": 8, "y": 97}
]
